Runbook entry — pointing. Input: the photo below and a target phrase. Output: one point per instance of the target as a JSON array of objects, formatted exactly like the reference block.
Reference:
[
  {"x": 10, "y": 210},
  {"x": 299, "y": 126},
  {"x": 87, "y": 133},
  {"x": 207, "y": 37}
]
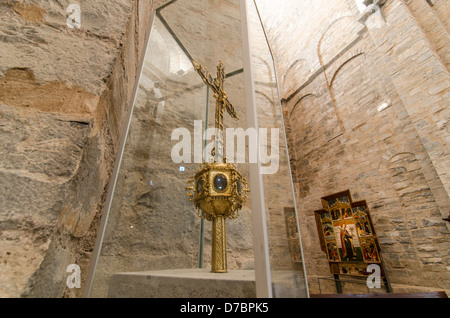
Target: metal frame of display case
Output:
[{"x": 260, "y": 238}]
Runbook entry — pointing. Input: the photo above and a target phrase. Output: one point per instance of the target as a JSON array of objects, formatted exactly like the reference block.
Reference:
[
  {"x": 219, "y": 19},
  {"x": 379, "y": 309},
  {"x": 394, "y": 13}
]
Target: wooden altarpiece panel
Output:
[{"x": 347, "y": 235}]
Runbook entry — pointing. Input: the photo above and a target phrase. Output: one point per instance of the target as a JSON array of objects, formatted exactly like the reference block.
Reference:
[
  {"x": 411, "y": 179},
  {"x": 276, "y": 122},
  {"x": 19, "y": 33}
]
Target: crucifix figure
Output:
[
  {"x": 219, "y": 190},
  {"x": 222, "y": 103}
]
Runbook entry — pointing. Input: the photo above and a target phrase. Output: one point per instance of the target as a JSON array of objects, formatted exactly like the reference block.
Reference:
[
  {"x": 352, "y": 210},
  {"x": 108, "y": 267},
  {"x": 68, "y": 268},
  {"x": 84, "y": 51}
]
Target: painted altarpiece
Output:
[{"x": 347, "y": 235}]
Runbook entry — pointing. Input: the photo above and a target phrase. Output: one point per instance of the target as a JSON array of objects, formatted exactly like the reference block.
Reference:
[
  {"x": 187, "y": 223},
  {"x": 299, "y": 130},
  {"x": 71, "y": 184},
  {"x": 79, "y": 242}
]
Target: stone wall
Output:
[
  {"x": 64, "y": 95},
  {"x": 335, "y": 66}
]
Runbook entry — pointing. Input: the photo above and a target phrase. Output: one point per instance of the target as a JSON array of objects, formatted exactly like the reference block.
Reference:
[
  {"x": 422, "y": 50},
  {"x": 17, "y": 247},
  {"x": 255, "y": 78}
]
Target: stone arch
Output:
[
  {"x": 357, "y": 90},
  {"x": 335, "y": 72},
  {"x": 298, "y": 102},
  {"x": 266, "y": 72},
  {"x": 296, "y": 73},
  {"x": 265, "y": 96},
  {"x": 327, "y": 48},
  {"x": 399, "y": 157},
  {"x": 312, "y": 123},
  {"x": 269, "y": 104}
]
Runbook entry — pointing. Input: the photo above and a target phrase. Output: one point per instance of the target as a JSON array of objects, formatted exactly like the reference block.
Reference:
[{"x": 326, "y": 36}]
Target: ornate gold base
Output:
[{"x": 219, "y": 246}]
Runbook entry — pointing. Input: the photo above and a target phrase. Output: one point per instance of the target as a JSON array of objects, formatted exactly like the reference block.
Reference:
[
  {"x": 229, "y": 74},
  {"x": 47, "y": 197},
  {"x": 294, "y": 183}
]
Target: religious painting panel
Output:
[{"x": 347, "y": 235}]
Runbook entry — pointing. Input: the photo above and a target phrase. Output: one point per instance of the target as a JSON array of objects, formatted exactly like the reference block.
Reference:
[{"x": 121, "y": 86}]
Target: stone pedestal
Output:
[{"x": 183, "y": 283}]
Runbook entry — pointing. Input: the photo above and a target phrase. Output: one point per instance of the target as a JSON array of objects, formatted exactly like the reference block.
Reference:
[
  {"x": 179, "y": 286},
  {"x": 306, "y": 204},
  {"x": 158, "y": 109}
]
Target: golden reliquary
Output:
[{"x": 218, "y": 190}]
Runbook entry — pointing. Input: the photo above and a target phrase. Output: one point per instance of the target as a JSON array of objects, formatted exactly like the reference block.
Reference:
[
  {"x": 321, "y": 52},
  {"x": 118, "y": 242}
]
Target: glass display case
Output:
[{"x": 150, "y": 224}]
